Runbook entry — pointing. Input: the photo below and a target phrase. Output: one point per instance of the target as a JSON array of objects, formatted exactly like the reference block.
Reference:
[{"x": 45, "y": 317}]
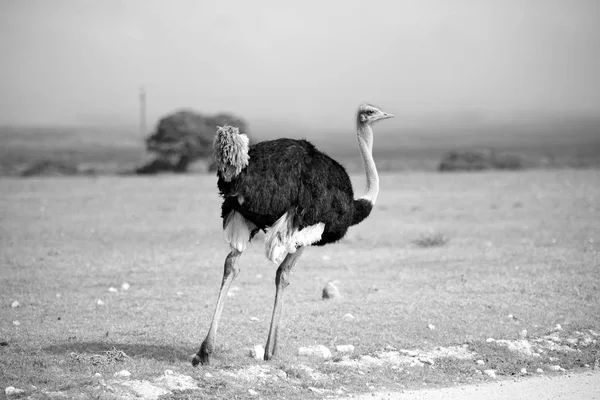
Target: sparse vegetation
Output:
[
  {"x": 77, "y": 237},
  {"x": 431, "y": 239}
]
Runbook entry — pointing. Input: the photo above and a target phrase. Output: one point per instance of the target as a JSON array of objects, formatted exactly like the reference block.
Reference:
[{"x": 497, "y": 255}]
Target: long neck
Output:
[{"x": 365, "y": 145}]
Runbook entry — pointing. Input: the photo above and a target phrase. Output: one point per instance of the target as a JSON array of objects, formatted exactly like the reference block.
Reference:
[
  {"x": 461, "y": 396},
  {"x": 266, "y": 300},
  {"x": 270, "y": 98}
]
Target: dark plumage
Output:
[
  {"x": 307, "y": 183},
  {"x": 297, "y": 194}
]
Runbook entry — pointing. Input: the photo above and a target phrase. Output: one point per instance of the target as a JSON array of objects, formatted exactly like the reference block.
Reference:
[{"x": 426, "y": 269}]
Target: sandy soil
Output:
[{"x": 567, "y": 387}]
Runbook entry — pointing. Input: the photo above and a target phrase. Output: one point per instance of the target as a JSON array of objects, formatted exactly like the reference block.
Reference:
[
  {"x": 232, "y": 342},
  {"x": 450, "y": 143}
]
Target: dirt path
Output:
[{"x": 582, "y": 386}]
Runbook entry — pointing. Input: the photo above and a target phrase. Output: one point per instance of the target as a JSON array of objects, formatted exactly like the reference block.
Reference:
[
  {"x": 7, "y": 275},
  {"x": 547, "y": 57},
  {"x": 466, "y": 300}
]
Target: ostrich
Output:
[{"x": 298, "y": 195}]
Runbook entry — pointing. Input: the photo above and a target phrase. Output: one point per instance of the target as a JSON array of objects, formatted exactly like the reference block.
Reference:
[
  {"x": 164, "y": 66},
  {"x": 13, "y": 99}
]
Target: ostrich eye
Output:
[{"x": 369, "y": 112}]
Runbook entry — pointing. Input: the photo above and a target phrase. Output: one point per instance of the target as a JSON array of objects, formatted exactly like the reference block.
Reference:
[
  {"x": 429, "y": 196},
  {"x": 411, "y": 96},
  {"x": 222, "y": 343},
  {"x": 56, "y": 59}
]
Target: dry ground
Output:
[{"x": 524, "y": 244}]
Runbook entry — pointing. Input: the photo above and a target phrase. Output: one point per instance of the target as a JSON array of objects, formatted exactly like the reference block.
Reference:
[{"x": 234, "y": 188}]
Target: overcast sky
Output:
[{"x": 307, "y": 62}]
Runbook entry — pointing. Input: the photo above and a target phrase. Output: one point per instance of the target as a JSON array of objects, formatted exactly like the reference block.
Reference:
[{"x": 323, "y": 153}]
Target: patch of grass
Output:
[
  {"x": 431, "y": 239},
  {"x": 77, "y": 237}
]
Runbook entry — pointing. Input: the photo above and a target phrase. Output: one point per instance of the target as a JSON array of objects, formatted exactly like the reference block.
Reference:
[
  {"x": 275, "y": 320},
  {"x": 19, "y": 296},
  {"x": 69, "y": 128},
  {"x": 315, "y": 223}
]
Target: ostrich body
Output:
[{"x": 298, "y": 195}]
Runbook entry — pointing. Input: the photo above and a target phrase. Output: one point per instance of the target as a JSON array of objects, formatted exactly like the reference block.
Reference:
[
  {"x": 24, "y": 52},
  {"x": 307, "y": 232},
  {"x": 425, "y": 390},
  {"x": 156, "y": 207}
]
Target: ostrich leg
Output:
[
  {"x": 282, "y": 280},
  {"x": 231, "y": 270}
]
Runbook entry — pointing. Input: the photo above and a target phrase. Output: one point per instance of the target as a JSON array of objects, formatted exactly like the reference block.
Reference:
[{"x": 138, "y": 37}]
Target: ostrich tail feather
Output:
[{"x": 230, "y": 151}]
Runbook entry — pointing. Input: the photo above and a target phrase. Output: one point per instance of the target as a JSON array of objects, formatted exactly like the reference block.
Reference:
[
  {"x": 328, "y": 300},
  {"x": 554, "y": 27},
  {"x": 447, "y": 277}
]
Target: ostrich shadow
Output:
[{"x": 149, "y": 351}]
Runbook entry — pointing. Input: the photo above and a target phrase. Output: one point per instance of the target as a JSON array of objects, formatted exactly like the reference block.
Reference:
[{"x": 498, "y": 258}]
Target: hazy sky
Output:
[{"x": 309, "y": 62}]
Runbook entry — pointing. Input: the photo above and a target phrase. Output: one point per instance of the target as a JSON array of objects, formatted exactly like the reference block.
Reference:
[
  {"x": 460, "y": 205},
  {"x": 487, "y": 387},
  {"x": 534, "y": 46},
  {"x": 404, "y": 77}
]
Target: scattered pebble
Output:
[
  {"x": 558, "y": 327},
  {"x": 257, "y": 352},
  {"x": 112, "y": 289},
  {"x": 168, "y": 372},
  {"x": 539, "y": 371},
  {"x": 281, "y": 374},
  {"x": 318, "y": 351},
  {"x": 348, "y": 317},
  {"x": 208, "y": 375},
  {"x": 556, "y": 368},
  {"x": 179, "y": 293},
  {"x": 255, "y": 319},
  {"x": 15, "y": 304},
  {"x": 326, "y": 258},
  {"x": 100, "y": 302},
  {"x": 490, "y": 340},
  {"x": 230, "y": 294},
  {"x": 480, "y": 362},
  {"x": 345, "y": 348},
  {"x": 390, "y": 347},
  {"x": 524, "y": 371},
  {"x": 13, "y": 391},
  {"x": 252, "y": 392},
  {"x": 524, "y": 333},
  {"x": 122, "y": 374},
  {"x": 431, "y": 327},
  {"x": 258, "y": 276},
  {"x": 490, "y": 372},
  {"x": 510, "y": 316},
  {"x": 58, "y": 295},
  {"x": 330, "y": 291},
  {"x": 125, "y": 286},
  {"x": 16, "y": 323}
]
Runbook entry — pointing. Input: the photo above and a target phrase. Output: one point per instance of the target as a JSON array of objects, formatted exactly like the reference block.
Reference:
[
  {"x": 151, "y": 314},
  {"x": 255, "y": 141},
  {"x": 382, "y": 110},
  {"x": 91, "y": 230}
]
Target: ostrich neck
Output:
[{"x": 365, "y": 145}]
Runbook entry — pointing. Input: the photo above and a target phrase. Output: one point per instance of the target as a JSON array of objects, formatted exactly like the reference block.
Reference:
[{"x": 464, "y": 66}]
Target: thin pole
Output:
[{"x": 142, "y": 111}]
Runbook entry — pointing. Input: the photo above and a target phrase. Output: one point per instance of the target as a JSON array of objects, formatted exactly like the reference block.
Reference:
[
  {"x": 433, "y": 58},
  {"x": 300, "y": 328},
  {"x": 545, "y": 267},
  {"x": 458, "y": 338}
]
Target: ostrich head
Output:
[{"x": 368, "y": 114}]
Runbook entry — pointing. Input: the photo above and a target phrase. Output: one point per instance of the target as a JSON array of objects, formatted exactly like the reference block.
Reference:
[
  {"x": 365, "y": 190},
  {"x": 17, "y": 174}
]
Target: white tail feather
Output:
[
  {"x": 237, "y": 231},
  {"x": 282, "y": 238}
]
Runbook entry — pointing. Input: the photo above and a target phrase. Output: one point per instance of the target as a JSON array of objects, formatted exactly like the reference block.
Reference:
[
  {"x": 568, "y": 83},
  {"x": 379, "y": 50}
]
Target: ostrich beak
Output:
[{"x": 386, "y": 116}]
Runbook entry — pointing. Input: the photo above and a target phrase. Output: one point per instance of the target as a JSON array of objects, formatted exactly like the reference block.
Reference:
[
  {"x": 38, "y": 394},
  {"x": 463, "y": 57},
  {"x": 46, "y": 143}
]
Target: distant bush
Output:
[
  {"x": 50, "y": 168},
  {"x": 184, "y": 137},
  {"x": 475, "y": 160},
  {"x": 431, "y": 239}
]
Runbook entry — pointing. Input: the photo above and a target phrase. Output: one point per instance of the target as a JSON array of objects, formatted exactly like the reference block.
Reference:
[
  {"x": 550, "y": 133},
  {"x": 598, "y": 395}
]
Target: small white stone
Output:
[
  {"x": 318, "y": 351},
  {"x": 490, "y": 340},
  {"x": 348, "y": 317},
  {"x": 330, "y": 291},
  {"x": 179, "y": 293},
  {"x": 510, "y": 316},
  {"x": 113, "y": 289},
  {"x": 15, "y": 304},
  {"x": 410, "y": 353},
  {"x": 557, "y": 327},
  {"x": 100, "y": 302},
  {"x": 255, "y": 319},
  {"x": 58, "y": 295},
  {"x": 208, "y": 375},
  {"x": 16, "y": 323},
  {"x": 478, "y": 372},
  {"x": 480, "y": 362},
  {"x": 13, "y": 391},
  {"x": 125, "y": 286},
  {"x": 252, "y": 392},
  {"x": 122, "y": 374},
  {"x": 258, "y": 276},
  {"x": 556, "y": 368},
  {"x": 490, "y": 372},
  {"x": 431, "y": 327},
  {"x": 539, "y": 371},
  {"x": 326, "y": 258},
  {"x": 230, "y": 294},
  {"x": 257, "y": 352},
  {"x": 281, "y": 374},
  {"x": 426, "y": 360},
  {"x": 524, "y": 371},
  {"x": 345, "y": 348},
  {"x": 524, "y": 333},
  {"x": 168, "y": 372}
]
